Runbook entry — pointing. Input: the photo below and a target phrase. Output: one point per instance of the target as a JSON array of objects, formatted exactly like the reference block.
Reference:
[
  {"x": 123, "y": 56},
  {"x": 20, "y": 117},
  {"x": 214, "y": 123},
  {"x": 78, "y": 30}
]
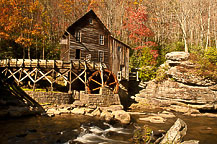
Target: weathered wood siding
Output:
[
  {"x": 89, "y": 44},
  {"x": 120, "y": 58},
  {"x": 64, "y": 53},
  {"x": 116, "y": 53}
]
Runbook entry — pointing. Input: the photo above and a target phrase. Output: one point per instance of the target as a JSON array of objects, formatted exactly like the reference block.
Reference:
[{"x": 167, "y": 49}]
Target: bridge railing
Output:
[{"x": 75, "y": 64}]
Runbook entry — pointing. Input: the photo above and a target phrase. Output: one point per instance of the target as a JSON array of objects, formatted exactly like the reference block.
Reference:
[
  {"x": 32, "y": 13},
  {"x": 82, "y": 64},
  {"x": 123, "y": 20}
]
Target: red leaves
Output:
[
  {"x": 154, "y": 53},
  {"x": 146, "y": 44},
  {"x": 136, "y": 24}
]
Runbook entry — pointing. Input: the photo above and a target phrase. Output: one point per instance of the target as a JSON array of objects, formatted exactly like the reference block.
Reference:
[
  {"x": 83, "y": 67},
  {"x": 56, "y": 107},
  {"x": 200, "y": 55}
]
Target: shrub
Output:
[
  {"x": 144, "y": 60},
  {"x": 211, "y": 55},
  {"x": 204, "y": 67}
]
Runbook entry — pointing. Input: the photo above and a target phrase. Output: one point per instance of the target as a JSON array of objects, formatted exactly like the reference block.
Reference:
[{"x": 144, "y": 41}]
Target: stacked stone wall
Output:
[
  {"x": 105, "y": 98},
  {"x": 51, "y": 97}
]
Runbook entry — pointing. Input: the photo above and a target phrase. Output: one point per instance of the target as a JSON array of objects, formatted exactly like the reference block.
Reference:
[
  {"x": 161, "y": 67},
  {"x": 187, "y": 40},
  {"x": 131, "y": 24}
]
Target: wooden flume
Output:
[{"x": 52, "y": 70}]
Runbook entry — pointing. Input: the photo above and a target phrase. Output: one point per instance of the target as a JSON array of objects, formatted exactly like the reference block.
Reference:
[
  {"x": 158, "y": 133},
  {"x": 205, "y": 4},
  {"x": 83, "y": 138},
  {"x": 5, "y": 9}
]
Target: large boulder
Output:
[
  {"x": 177, "y": 56},
  {"x": 175, "y": 134},
  {"x": 79, "y": 111},
  {"x": 108, "y": 116},
  {"x": 96, "y": 112},
  {"x": 153, "y": 119},
  {"x": 122, "y": 116},
  {"x": 179, "y": 86}
]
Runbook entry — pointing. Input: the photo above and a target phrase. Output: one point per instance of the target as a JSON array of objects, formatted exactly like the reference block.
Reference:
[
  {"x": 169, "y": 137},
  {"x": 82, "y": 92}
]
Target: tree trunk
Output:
[
  {"x": 208, "y": 29},
  {"x": 201, "y": 28},
  {"x": 215, "y": 35},
  {"x": 43, "y": 51},
  {"x": 24, "y": 53},
  {"x": 28, "y": 52}
]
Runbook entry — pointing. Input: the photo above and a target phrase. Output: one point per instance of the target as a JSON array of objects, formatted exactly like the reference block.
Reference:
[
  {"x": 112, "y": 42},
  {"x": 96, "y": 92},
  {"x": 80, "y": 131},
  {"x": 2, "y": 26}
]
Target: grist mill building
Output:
[{"x": 89, "y": 39}]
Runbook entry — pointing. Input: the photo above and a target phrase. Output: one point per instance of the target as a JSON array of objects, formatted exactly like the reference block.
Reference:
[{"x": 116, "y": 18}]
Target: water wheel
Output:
[{"x": 102, "y": 79}]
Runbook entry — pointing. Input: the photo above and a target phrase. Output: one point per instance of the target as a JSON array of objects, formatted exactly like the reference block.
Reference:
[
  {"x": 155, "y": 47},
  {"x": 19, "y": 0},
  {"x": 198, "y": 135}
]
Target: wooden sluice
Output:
[{"x": 50, "y": 70}]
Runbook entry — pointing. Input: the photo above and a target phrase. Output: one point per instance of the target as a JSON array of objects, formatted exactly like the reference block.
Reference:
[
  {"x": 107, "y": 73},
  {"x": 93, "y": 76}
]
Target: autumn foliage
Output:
[{"x": 33, "y": 28}]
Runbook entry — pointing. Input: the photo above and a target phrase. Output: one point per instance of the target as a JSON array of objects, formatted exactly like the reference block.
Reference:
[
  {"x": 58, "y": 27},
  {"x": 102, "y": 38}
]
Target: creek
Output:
[{"x": 78, "y": 129}]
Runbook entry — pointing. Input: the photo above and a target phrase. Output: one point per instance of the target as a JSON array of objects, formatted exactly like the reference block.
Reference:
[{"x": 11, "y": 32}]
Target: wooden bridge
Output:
[{"x": 94, "y": 75}]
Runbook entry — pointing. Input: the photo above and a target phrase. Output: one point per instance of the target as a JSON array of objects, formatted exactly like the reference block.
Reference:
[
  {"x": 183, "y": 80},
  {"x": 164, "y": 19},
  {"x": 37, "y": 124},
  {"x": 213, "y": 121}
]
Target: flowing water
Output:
[
  {"x": 65, "y": 129},
  {"x": 71, "y": 129}
]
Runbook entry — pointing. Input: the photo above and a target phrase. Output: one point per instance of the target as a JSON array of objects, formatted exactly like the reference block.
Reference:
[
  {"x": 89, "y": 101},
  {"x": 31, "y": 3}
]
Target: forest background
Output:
[{"x": 33, "y": 29}]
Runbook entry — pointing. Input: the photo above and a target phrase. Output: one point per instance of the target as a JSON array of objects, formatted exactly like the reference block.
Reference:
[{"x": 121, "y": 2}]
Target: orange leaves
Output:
[
  {"x": 4, "y": 35},
  {"x": 26, "y": 42},
  {"x": 136, "y": 24}
]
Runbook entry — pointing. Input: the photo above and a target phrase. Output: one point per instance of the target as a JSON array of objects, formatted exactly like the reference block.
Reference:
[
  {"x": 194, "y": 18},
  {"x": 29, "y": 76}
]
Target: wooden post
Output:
[
  {"x": 85, "y": 76},
  {"x": 35, "y": 79},
  {"x": 20, "y": 75},
  {"x": 101, "y": 71},
  {"x": 85, "y": 73},
  {"x": 70, "y": 79},
  {"x": 52, "y": 81},
  {"x": 137, "y": 76}
]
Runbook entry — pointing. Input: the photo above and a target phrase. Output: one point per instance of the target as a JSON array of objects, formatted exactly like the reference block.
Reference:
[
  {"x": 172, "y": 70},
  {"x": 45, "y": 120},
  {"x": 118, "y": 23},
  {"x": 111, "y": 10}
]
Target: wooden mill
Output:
[{"x": 88, "y": 39}]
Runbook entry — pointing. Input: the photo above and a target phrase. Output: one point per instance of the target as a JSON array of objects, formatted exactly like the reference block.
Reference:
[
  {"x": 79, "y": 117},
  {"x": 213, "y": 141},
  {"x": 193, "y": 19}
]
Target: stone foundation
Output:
[
  {"x": 105, "y": 98},
  {"x": 51, "y": 97}
]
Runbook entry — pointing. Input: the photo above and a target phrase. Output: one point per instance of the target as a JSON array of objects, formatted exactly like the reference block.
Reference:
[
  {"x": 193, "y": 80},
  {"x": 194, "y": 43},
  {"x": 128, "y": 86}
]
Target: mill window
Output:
[
  {"x": 101, "y": 56},
  {"x": 101, "y": 39},
  {"x": 90, "y": 21},
  {"x": 78, "y": 36},
  {"x": 78, "y": 54}
]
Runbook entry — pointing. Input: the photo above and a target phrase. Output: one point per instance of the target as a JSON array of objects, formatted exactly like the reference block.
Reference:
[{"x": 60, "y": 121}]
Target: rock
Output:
[
  {"x": 88, "y": 110},
  {"x": 65, "y": 111},
  {"x": 50, "y": 115},
  {"x": 173, "y": 63},
  {"x": 112, "y": 108},
  {"x": 214, "y": 87},
  {"x": 205, "y": 114},
  {"x": 175, "y": 134},
  {"x": 108, "y": 116},
  {"x": 169, "y": 92},
  {"x": 122, "y": 116},
  {"x": 96, "y": 112},
  {"x": 153, "y": 119},
  {"x": 180, "y": 74},
  {"x": 92, "y": 106},
  {"x": 79, "y": 111},
  {"x": 167, "y": 114},
  {"x": 78, "y": 103},
  {"x": 137, "y": 113},
  {"x": 191, "y": 142},
  {"x": 177, "y": 56},
  {"x": 116, "y": 107},
  {"x": 182, "y": 109},
  {"x": 53, "y": 111},
  {"x": 181, "y": 86}
]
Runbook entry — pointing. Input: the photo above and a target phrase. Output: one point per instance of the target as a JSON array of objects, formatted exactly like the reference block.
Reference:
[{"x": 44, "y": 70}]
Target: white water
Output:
[{"x": 97, "y": 135}]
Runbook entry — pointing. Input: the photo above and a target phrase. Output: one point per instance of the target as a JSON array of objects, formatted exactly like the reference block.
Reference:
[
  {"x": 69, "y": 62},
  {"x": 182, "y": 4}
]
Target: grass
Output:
[{"x": 39, "y": 90}]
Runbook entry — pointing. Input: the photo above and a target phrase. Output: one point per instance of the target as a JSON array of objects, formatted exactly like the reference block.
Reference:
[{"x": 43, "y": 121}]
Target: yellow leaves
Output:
[
  {"x": 4, "y": 35},
  {"x": 135, "y": 2},
  {"x": 24, "y": 41}
]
